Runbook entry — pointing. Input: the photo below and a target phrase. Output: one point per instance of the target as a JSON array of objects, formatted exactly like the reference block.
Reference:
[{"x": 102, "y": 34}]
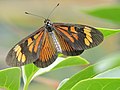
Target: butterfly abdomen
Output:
[{"x": 57, "y": 45}]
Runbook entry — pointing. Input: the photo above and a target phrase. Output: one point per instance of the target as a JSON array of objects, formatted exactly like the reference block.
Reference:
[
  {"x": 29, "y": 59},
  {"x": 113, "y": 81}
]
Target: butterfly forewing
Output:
[
  {"x": 48, "y": 52},
  {"x": 26, "y": 51},
  {"x": 80, "y": 37}
]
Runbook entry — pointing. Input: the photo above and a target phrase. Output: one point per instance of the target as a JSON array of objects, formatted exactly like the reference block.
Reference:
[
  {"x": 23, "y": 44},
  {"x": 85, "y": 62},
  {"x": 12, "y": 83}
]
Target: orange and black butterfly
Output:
[{"x": 42, "y": 46}]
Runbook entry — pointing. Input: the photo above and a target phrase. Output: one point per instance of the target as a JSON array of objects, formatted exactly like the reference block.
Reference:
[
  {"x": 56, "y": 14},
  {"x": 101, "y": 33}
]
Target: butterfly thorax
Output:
[{"x": 48, "y": 25}]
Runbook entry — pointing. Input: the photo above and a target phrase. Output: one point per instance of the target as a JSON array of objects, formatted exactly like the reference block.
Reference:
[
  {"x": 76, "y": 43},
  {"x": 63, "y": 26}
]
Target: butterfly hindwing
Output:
[
  {"x": 26, "y": 50},
  {"x": 67, "y": 49},
  {"x": 48, "y": 52},
  {"x": 80, "y": 37}
]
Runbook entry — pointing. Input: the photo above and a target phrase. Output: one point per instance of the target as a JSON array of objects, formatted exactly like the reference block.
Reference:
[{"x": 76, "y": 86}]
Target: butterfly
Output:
[{"x": 42, "y": 47}]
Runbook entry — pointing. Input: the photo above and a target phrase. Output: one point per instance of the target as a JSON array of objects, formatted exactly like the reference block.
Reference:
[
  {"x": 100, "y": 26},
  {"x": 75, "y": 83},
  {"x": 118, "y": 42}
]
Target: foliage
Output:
[
  {"x": 109, "y": 13},
  {"x": 10, "y": 78}
]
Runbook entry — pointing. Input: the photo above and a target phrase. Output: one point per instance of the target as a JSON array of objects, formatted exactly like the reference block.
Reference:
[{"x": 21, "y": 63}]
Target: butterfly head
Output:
[{"x": 48, "y": 25}]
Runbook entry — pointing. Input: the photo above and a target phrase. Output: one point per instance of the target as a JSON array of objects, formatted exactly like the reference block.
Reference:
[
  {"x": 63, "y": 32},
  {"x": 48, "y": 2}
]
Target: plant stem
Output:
[{"x": 26, "y": 85}]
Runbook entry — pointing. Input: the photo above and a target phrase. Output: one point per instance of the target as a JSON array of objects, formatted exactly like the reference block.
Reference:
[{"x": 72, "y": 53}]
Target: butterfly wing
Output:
[
  {"x": 67, "y": 49},
  {"x": 48, "y": 52},
  {"x": 26, "y": 51},
  {"x": 80, "y": 37}
]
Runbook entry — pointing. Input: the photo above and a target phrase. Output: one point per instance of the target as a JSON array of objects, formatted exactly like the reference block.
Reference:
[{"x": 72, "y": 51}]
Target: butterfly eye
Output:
[{"x": 47, "y": 21}]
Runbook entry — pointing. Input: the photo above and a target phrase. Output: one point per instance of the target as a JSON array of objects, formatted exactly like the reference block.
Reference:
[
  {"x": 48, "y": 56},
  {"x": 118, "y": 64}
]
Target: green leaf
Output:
[
  {"x": 28, "y": 72},
  {"x": 108, "y": 63},
  {"x": 10, "y": 78},
  {"x": 109, "y": 13},
  {"x": 107, "y": 32},
  {"x": 31, "y": 71},
  {"x": 98, "y": 84},
  {"x": 71, "y": 61}
]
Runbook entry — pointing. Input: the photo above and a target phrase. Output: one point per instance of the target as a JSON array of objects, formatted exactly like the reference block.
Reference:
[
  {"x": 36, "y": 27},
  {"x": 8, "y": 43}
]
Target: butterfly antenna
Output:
[
  {"x": 53, "y": 10},
  {"x": 34, "y": 15}
]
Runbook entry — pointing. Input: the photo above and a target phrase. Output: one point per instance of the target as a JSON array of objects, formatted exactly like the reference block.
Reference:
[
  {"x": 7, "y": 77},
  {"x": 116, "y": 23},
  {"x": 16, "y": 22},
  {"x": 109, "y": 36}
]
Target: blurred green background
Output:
[{"x": 15, "y": 25}]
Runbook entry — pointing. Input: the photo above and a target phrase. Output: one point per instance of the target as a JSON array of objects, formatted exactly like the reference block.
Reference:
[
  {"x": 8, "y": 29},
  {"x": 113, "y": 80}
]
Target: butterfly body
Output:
[{"x": 42, "y": 46}]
